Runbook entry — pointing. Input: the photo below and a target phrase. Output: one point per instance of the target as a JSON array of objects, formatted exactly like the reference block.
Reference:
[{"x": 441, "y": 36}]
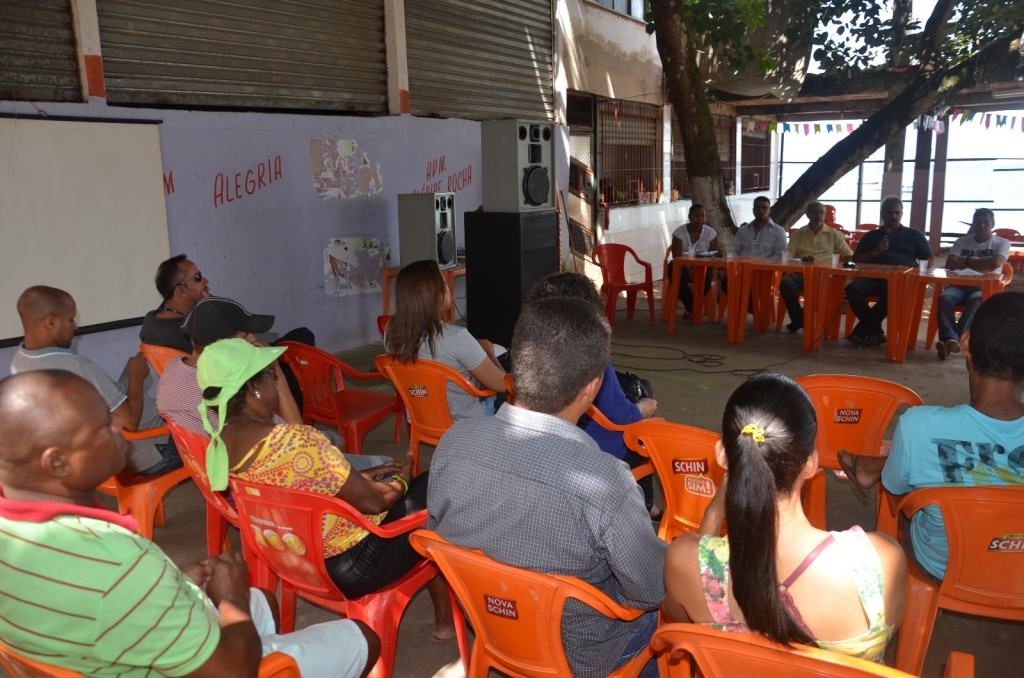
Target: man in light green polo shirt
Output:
[
  {"x": 813, "y": 242},
  {"x": 81, "y": 590}
]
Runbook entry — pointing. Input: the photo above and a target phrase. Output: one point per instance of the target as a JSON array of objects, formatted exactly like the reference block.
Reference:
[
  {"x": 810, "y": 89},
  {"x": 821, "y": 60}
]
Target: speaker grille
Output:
[
  {"x": 536, "y": 185},
  {"x": 445, "y": 247}
]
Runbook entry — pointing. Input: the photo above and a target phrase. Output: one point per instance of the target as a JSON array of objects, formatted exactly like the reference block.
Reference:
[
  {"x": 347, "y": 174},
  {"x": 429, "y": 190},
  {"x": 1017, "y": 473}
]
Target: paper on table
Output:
[{"x": 965, "y": 271}]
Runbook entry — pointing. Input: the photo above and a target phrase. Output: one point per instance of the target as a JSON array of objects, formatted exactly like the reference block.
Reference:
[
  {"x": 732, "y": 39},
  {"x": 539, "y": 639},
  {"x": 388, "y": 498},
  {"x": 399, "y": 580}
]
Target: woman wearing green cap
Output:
[{"x": 237, "y": 379}]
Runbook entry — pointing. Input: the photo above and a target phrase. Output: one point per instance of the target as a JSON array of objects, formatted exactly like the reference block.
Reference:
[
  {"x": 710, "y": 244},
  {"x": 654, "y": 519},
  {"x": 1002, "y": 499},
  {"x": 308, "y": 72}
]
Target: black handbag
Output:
[{"x": 636, "y": 388}]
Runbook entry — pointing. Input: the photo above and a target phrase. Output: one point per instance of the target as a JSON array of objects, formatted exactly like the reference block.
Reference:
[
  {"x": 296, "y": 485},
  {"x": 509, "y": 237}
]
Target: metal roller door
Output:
[
  {"x": 296, "y": 54},
  {"x": 37, "y": 51},
  {"x": 481, "y": 60}
]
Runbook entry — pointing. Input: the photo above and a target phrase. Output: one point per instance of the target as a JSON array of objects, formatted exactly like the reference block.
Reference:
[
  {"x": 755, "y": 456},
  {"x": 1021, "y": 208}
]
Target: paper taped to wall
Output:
[
  {"x": 341, "y": 169},
  {"x": 355, "y": 265}
]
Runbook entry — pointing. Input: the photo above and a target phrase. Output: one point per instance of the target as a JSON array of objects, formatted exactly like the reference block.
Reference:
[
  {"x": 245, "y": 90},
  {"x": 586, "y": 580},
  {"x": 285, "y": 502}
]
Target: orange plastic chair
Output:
[
  {"x": 284, "y": 528},
  {"x": 382, "y": 323},
  {"x": 143, "y": 496},
  {"x": 353, "y": 410},
  {"x": 516, "y": 613},
  {"x": 274, "y": 665},
  {"x": 219, "y": 513},
  {"x": 985, "y": 569},
  {"x": 422, "y": 386},
  {"x": 159, "y": 356},
  {"x": 724, "y": 654},
  {"x": 612, "y": 260},
  {"x": 933, "y": 317},
  {"x": 853, "y": 413},
  {"x": 684, "y": 458},
  {"x": 1010, "y": 234},
  {"x": 830, "y": 217}
]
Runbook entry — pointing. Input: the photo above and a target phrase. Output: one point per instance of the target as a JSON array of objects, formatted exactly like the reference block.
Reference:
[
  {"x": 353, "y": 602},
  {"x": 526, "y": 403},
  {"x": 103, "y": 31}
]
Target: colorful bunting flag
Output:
[
  {"x": 988, "y": 120},
  {"x": 807, "y": 130},
  {"x": 957, "y": 111},
  {"x": 817, "y": 128},
  {"x": 849, "y": 128},
  {"x": 764, "y": 125},
  {"x": 829, "y": 128},
  {"x": 772, "y": 126},
  {"x": 785, "y": 127}
]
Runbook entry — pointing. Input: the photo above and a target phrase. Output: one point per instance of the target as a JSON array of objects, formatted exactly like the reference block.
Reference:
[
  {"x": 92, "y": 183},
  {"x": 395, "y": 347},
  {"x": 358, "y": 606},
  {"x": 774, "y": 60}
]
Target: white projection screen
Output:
[{"x": 82, "y": 209}]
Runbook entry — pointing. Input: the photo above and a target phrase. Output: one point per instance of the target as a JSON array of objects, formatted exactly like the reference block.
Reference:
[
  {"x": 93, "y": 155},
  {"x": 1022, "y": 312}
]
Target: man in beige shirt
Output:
[{"x": 813, "y": 242}]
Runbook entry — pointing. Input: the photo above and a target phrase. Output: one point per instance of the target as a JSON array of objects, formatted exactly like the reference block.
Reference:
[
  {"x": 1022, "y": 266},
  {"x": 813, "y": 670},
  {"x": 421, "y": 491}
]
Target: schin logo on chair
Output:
[
  {"x": 417, "y": 391},
  {"x": 848, "y": 416},
  {"x": 1008, "y": 543},
  {"x": 501, "y": 607},
  {"x": 689, "y": 466}
]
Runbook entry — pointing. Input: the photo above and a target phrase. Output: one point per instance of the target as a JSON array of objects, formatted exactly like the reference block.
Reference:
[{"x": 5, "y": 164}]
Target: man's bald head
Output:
[
  {"x": 40, "y": 301},
  {"x": 41, "y": 409}
]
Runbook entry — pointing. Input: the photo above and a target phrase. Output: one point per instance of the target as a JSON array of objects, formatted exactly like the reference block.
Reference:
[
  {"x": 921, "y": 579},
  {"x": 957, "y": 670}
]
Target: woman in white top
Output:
[
  {"x": 418, "y": 330},
  {"x": 695, "y": 237}
]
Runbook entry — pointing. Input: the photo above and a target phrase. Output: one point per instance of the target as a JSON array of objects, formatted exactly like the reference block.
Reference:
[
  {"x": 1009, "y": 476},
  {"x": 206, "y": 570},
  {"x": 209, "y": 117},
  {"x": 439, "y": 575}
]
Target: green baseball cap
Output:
[{"x": 227, "y": 364}]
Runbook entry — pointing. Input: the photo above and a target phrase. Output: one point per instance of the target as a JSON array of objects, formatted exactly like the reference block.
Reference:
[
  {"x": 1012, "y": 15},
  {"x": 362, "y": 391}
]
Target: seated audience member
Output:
[
  {"x": 48, "y": 318},
  {"x": 238, "y": 381},
  {"x": 695, "y": 237},
  {"x": 532, "y": 490},
  {"x": 892, "y": 244},
  {"x": 978, "y": 251},
  {"x": 418, "y": 330},
  {"x": 770, "y": 574},
  {"x": 84, "y": 592},
  {"x": 977, "y": 444},
  {"x": 178, "y": 395},
  {"x": 813, "y": 242},
  {"x": 610, "y": 400},
  {"x": 761, "y": 238}
]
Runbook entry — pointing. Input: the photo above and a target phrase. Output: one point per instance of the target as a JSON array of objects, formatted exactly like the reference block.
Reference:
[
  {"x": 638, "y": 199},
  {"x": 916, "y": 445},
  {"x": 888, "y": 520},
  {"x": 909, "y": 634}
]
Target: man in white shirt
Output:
[
  {"x": 979, "y": 251},
  {"x": 762, "y": 237}
]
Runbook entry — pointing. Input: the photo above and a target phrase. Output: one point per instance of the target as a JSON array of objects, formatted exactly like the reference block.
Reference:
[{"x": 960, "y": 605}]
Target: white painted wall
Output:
[{"x": 265, "y": 249}]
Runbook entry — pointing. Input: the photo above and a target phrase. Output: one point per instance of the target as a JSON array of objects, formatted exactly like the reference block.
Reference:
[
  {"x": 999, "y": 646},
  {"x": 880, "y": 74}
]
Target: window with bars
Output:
[
  {"x": 725, "y": 133},
  {"x": 629, "y": 150},
  {"x": 755, "y": 161},
  {"x": 633, "y": 8}
]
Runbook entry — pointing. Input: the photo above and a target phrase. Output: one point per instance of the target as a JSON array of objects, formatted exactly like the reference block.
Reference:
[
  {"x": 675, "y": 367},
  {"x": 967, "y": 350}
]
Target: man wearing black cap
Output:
[{"x": 210, "y": 320}]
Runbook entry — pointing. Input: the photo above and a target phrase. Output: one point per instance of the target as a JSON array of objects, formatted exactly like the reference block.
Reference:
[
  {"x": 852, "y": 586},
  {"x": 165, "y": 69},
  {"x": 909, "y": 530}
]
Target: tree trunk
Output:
[
  {"x": 930, "y": 87},
  {"x": 892, "y": 169},
  {"x": 689, "y": 100}
]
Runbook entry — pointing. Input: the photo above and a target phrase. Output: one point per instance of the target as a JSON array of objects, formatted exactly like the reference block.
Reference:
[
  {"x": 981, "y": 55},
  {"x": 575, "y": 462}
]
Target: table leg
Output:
[
  {"x": 673, "y": 294},
  {"x": 738, "y": 312},
  {"x": 699, "y": 276},
  {"x": 810, "y": 308},
  {"x": 896, "y": 300}
]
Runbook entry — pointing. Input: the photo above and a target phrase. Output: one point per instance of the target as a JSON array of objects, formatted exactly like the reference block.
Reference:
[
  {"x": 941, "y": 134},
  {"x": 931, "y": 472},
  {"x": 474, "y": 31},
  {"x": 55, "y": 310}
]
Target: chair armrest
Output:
[
  {"x": 591, "y": 596},
  {"x": 278, "y": 665},
  {"x": 142, "y": 434},
  {"x": 464, "y": 384},
  {"x": 352, "y": 372},
  {"x": 399, "y": 527},
  {"x": 959, "y": 665}
]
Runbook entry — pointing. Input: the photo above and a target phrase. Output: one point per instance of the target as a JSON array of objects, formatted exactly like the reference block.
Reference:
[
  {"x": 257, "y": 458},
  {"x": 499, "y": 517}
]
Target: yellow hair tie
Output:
[{"x": 756, "y": 433}]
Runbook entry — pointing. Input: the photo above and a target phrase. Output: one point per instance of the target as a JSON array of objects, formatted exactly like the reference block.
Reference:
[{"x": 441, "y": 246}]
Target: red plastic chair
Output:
[
  {"x": 830, "y": 217},
  {"x": 382, "y": 323},
  {"x": 143, "y": 496},
  {"x": 516, "y": 613},
  {"x": 159, "y": 356},
  {"x": 853, "y": 413},
  {"x": 219, "y": 513},
  {"x": 423, "y": 386},
  {"x": 353, "y": 410},
  {"x": 274, "y": 665},
  {"x": 284, "y": 528},
  {"x": 1010, "y": 234},
  {"x": 725, "y": 654},
  {"x": 933, "y": 316},
  {"x": 612, "y": 260},
  {"x": 985, "y": 569},
  {"x": 684, "y": 458}
]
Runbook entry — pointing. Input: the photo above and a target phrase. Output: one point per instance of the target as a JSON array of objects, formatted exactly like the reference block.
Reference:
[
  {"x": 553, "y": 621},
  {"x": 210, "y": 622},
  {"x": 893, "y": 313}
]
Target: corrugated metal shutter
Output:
[
  {"x": 37, "y": 51},
  {"x": 481, "y": 60},
  {"x": 320, "y": 54}
]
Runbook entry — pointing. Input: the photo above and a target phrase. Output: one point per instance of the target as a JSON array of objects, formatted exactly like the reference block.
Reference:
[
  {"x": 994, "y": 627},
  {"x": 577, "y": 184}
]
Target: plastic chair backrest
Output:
[
  {"x": 612, "y": 260},
  {"x": 1006, "y": 275},
  {"x": 684, "y": 459},
  {"x": 382, "y": 323},
  {"x": 1010, "y": 234},
  {"x": 423, "y": 386},
  {"x": 724, "y": 654},
  {"x": 314, "y": 368},
  {"x": 192, "y": 448},
  {"x": 516, "y": 613},
  {"x": 159, "y": 356},
  {"x": 274, "y": 665},
  {"x": 853, "y": 412},
  {"x": 830, "y": 215},
  {"x": 985, "y": 528}
]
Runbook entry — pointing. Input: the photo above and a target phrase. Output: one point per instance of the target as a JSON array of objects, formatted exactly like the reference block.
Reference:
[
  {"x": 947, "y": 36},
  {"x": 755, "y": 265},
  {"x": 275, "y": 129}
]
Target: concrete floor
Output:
[{"x": 693, "y": 374}]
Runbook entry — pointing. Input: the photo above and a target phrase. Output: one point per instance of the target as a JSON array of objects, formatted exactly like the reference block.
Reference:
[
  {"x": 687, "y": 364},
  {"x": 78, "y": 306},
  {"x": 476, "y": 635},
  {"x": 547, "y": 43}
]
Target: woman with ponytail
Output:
[{"x": 774, "y": 573}]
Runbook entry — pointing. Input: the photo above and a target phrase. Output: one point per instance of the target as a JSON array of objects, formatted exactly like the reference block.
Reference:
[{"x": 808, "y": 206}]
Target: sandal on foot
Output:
[{"x": 850, "y": 469}]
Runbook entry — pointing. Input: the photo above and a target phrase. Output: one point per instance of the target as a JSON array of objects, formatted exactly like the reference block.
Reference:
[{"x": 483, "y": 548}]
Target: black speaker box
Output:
[{"x": 506, "y": 254}]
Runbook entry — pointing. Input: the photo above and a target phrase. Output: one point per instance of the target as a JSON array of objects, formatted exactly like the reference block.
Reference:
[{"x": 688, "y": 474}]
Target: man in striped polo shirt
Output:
[{"x": 81, "y": 590}]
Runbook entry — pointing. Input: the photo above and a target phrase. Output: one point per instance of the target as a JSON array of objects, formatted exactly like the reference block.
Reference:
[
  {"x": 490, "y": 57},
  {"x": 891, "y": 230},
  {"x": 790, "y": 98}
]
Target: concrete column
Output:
[
  {"x": 560, "y": 24},
  {"x": 397, "y": 60},
  {"x": 922, "y": 168},
  {"x": 738, "y": 164},
  {"x": 87, "y": 47},
  {"x": 939, "y": 186},
  {"x": 666, "y": 153}
]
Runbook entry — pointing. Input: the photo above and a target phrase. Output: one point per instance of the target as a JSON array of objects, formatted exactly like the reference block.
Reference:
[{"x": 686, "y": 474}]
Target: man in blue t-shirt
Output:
[
  {"x": 892, "y": 244},
  {"x": 978, "y": 444}
]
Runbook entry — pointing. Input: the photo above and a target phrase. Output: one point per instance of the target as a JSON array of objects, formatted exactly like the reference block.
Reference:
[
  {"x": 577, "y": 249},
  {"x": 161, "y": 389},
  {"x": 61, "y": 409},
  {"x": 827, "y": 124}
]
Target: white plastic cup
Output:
[
  {"x": 785, "y": 257},
  {"x": 693, "y": 250},
  {"x": 835, "y": 259},
  {"x": 922, "y": 267}
]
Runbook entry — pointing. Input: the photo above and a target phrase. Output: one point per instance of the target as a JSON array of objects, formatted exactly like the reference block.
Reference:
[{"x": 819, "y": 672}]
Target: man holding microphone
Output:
[{"x": 891, "y": 243}]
